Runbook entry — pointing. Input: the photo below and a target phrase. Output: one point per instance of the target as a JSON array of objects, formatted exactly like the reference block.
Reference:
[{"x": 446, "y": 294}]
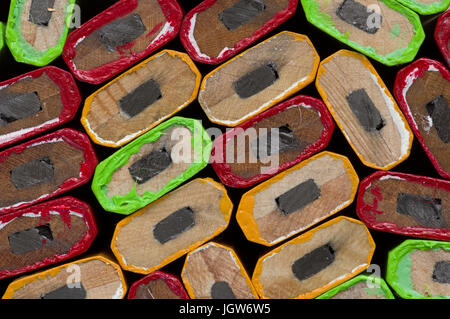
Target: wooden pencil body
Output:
[
  {"x": 215, "y": 30},
  {"x": 258, "y": 78},
  {"x": 35, "y": 102},
  {"x": 106, "y": 114},
  {"x": 297, "y": 198},
  {"x": 120, "y": 36},
  {"x": 37, "y": 30},
  {"x": 383, "y": 30},
  {"x": 364, "y": 110},
  {"x": 272, "y": 141},
  {"x": 44, "y": 167},
  {"x": 172, "y": 226},
  {"x": 44, "y": 234},
  {"x": 422, "y": 90},
  {"x": 90, "y": 278},
  {"x": 226, "y": 279},
  {"x": 406, "y": 204},
  {"x": 316, "y": 261}
]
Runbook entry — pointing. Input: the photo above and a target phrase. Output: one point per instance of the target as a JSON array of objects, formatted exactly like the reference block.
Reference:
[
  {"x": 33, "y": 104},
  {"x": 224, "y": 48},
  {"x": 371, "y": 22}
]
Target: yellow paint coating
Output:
[
  {"x": 188, "y": 286},
  {"x": 301, "y": 85},
  {"x": 225, "y": 206},
  {"x": 89, "y": 99},
  {"x": 304, "y": 238},
  {"x": 21, "y": 282},
  {"x": 372, "y": 70},
  {"x": 244, "y": 215}
]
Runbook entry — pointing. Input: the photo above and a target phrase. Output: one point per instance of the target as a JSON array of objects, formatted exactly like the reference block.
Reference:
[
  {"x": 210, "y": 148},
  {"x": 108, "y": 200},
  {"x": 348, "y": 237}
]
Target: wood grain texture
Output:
[
  {"x": 122, "y": 182},
  {"x": 66, "y": 161},
  {"x": 106, "y": 122},
  {"x": 343, "y": 73},
  {"x": 296, "y": 63},
  {"x": 307, "y": 129},
  {"x": 353, "y": 249},
  {"x": 378, "y": 204},
  {"x": 261, "y": 219},
  {"x": 390, "y": 188},
  {"x": 68, "y": 230},
  {"x": 156, "y": 289},
  {"x": 42, "y": 37},
  {"x": 418, "y": 269},
  {"x": 212, "y": 36},
  {"x": 135, "y": 245},
  {"x": 63, "y": 240},
  {"x": 416, "y": 87},
  {"x": 49, "y": 95},
  {"x": 422, "y": 91},
  {"x": 91, "y": 53},
  {"x": 395, "y": 32},
  {"x": 100, "y": 277},
  {"x": 213, "y": 263},
  {"x": 422, "y": 268}
]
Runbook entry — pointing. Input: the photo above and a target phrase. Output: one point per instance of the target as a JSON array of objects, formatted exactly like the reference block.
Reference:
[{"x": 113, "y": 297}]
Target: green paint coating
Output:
[
  {"x": 395, "y": 31},
  {"x": 382, "y": 290},
  {"x": 404, "y": 55},
  {"x": 129, "y": 203},
  {"x": 426, "y": 8},
  {"x": 24, "y": 51},
  {"x": 399, "y": 267},
  {"x": 2, "y": 36}
]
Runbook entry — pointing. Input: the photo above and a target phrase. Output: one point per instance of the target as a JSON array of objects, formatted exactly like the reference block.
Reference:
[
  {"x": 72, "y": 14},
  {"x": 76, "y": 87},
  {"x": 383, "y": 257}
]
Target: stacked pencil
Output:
[{"x": 225, "y": 150}]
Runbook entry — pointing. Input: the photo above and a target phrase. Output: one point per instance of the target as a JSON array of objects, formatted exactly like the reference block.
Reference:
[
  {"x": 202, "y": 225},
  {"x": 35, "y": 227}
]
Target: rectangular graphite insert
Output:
[
  {"x": 441, "y": 272},
  {"x": 150, "y": 165},
  {"x": 241, "y": 12},
  {"x": 298, "y": 197},
  {"x": 174, "y": 225},
  {"x": 286, "y": 142},
  {"x": 140, "y": 98},
  {"x": 32, "y": 173},
  {"x": 365, "y": 111},
  {"x": 313, "y": 262},
  {"x": 222, "y": 290},
  {"x": 17, "y": 106},
  {"x": 360, "y": 16},
  {"x": 440, "y": 114},
  {"x": 41, "y": 12},
  {"x": 66, "y": 292},
  {"x": 121, "y": 31},
  {"x": 427, "y": 211},
  {"x": 30, "y": 239},
  {"x": 256, "y": 81}
]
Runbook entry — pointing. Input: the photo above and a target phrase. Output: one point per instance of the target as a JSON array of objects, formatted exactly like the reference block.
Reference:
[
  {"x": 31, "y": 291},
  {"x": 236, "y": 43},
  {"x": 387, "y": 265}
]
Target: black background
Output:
[{"x": 417, "y": 163}]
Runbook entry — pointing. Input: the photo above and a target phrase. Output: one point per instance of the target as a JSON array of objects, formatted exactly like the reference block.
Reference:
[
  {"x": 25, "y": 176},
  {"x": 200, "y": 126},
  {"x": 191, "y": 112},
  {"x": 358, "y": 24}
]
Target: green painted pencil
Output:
[{"x": 37, "y": 29}]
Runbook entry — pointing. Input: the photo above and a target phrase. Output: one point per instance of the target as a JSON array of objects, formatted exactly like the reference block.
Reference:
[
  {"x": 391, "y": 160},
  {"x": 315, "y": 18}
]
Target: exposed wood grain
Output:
[{"x": 215, "y": 263}]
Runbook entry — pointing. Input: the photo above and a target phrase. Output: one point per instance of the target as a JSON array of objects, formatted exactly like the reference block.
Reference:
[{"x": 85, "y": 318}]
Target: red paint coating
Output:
[
  {"x": 422, "y": 66},
  {"x": 62, "y": 206},
  {"x": 218, "y": 154},
  {"x": 70, "y": 98},
  {"x": 271, "y": 24},
  {"x": 367, "y": 211},
  {"x": 378, "y": 198},
  {"x": 173, "y": 282},
  {"x": 76, "y": 140},
  {"x": 173, "y": 13},
  {"x": 442, "y": 35}
]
